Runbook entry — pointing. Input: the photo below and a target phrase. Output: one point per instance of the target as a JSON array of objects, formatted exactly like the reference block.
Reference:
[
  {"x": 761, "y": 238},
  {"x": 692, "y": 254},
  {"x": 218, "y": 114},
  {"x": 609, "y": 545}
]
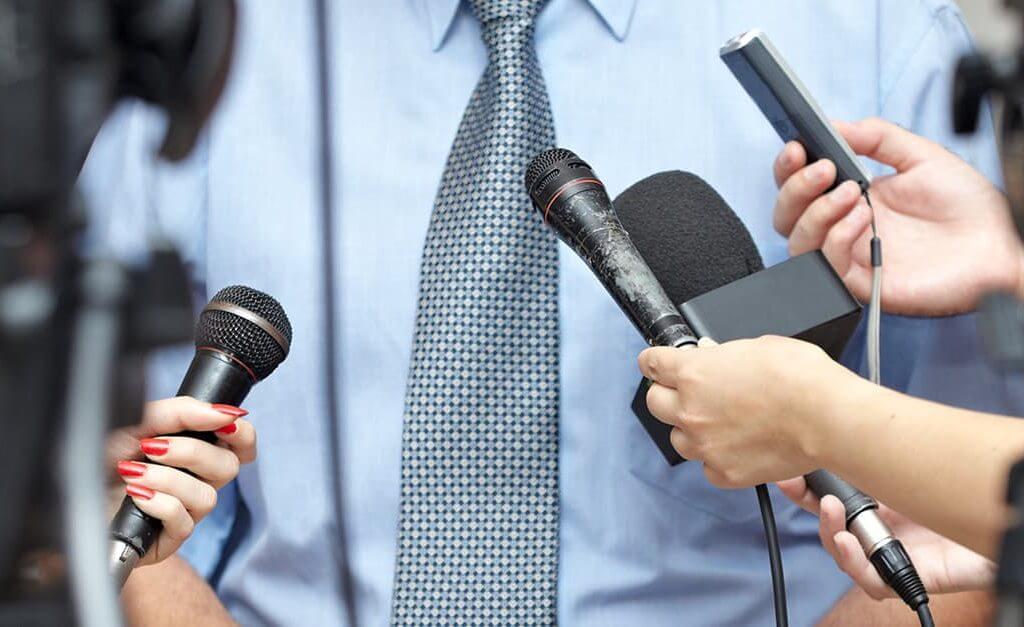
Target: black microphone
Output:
[
  {"x": 575, "y": 204},
  {"x": 242, "y": 336},
  {"x": 704, "y": 256}
]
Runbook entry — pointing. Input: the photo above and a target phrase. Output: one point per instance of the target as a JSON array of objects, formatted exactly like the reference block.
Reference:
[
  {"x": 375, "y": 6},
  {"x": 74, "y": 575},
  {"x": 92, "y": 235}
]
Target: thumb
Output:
[
  {"x": 706, "y": 341},
  {"x": 887, "y": 143}
]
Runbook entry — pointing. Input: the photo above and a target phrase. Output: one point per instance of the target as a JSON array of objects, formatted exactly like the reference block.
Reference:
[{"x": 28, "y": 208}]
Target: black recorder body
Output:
[{"x": 802, "y": 298}]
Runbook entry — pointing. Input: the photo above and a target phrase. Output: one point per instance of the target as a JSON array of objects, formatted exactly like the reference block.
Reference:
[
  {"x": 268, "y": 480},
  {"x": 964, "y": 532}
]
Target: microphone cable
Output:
[
  {"x": 330, "y": 340},
  {"x": 908, "y": 573},
  {"x": 771, "y": 537},
  {"x": 874, "y": 328}
]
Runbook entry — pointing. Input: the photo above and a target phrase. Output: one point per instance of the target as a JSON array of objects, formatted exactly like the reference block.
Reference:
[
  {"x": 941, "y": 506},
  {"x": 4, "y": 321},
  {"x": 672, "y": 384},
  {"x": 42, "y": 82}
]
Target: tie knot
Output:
[{"x": 491, "y": 12}]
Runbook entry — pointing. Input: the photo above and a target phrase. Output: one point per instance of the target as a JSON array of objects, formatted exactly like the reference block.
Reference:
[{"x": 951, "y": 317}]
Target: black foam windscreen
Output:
[
  {"x": 687, "y": 234},
  {"x": 242, "y": 338}
]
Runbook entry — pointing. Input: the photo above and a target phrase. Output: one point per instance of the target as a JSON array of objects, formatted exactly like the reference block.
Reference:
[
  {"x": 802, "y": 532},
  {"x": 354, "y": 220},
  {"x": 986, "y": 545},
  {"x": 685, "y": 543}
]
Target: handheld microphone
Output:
[
  {"x": 675, "y": 215},
  {"x": 575, "y": 204},
  {"x": 242, "y": 336}
]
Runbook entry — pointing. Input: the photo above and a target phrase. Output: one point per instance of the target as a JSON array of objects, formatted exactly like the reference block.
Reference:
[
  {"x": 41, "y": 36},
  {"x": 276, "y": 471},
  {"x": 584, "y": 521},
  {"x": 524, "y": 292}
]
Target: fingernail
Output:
[
  {"x": 154, "y": 446},
  {"x": 139, "y": 492},
  {"x": 131, "y": 469},
  {"x": 230, "y": 410},
  {"x": 228, "y": 429}
]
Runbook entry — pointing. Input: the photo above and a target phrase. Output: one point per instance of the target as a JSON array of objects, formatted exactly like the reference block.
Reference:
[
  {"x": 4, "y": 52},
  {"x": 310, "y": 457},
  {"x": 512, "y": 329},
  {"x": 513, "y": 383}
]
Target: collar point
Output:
[
  {"x": 441, "y": 17},
  {"x": 617, "y": 15}
]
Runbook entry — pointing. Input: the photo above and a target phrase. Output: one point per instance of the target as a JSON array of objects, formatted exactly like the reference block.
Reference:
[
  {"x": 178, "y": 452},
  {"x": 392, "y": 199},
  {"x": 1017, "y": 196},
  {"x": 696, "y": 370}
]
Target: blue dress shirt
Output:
[{"x": 636, "y": 87}]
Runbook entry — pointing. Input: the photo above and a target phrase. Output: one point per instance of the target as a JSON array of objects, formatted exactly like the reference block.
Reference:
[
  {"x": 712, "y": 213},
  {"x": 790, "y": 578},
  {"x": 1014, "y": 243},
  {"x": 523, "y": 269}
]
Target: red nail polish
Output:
[
  {"x": 131, "y": 469},
  {"x": 139, "y": 492},
  {"x": 154, "y": 446},
  {"x": 228, "y": 429},
  {"x": 231, "y": 410}
]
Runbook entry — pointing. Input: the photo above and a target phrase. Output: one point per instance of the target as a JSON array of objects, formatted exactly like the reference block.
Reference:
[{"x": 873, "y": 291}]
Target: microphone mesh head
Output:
[
  {"x": 542, "y": 162},
  {"x": 687, "y": 234},
  {"x": 244, "y": 339}
]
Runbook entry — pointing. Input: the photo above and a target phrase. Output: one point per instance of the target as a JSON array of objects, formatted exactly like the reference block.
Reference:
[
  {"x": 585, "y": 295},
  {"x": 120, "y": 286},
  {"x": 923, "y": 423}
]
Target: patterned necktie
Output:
[{"x": 478, "y": 529}]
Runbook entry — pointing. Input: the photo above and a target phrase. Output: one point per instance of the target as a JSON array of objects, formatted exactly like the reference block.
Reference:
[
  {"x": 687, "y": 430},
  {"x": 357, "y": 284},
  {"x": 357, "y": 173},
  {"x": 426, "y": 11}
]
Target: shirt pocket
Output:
[{"x": 687, "y": 485}]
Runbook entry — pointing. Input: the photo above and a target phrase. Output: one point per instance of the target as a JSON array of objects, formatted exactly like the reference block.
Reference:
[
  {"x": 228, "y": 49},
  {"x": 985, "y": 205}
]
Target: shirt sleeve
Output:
[{"x": 133, "y": 199}]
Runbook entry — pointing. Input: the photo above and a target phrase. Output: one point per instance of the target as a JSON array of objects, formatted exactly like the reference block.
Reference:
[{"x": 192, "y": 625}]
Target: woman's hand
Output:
[
  {"x": 946, "y": 230},
  {"x": 751, "y": 410},
  {"x": 166, "y": 491},
  {"x": 944, "y": 565}
]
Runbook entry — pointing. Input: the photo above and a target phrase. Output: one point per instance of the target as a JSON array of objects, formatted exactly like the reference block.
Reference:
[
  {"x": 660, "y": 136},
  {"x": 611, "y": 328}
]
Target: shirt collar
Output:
[{"x": 616, "y": 15}]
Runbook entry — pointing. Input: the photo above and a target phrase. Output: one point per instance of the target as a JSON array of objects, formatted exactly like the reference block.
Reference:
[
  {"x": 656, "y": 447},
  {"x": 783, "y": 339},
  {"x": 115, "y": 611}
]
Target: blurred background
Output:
[{"x": 994, "y": 27}]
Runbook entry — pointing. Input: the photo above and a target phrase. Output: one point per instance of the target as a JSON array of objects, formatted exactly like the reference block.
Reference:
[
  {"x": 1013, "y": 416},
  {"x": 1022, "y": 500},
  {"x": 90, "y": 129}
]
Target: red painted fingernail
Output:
[
  {"x": 154, "y": 446},
  {"x": 228, "y": 429},
  {"x": 139, "y": 491},
  {"x": 231, "y": 410},
  {"x": 131, "y": 469}
]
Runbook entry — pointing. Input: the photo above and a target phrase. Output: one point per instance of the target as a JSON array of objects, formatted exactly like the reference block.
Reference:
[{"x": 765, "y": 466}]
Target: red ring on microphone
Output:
[{"x": 561, "y": 190}]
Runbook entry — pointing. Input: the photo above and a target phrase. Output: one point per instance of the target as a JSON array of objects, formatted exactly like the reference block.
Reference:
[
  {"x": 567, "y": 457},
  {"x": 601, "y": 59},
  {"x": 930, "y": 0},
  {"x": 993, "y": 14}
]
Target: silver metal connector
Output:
[
  {"x": 123, "y": 558},
  {"x": 870, "y": 531}
]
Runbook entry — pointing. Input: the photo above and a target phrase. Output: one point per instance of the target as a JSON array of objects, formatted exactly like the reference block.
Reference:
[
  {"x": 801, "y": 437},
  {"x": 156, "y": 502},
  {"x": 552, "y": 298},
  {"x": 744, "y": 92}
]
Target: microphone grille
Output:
[
  {"x": 542, "y": 162},
  {"x": 251, "y": 342}
]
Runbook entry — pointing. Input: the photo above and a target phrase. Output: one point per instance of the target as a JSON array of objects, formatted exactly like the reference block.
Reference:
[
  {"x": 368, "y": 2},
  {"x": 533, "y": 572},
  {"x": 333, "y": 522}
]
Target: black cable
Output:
[
  {"x": 771, "y": 536},
  {"x": 924, "y": 613},
  {"x": 331, "y": 381}
]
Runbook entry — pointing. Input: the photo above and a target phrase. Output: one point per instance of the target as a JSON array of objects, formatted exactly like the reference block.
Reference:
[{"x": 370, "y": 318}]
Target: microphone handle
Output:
[
  {"x": 822, "y": 483},
  {"x": 588, "y": 224},
  {"x": 213, "y": 377},
  {"x": 883, "y": 549}
]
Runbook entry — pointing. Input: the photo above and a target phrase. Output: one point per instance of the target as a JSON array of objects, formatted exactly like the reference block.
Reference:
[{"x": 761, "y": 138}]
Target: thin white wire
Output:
[{"x": 875, "y": 326}]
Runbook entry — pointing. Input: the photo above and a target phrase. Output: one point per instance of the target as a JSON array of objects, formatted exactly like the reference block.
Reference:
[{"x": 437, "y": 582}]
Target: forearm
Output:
[
  {"x": 169, "y": 594},
  {"x": 857, "y": 608},
  {"x": 943, "y": 467}
]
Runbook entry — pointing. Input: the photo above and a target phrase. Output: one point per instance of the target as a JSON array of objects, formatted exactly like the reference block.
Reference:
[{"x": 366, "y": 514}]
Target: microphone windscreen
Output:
[
  {"x": 245, "y": 325},
  {"x": 687, "y": 234}
]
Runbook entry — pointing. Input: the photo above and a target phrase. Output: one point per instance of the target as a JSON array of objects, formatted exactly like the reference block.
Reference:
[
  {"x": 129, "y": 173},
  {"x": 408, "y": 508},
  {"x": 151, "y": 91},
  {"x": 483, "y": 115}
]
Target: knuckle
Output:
[
  {"x": 233, "y": 466},
  {"x": 180, "y": 524},
  {"x": 649, "y": 360},
  {"x": 207, "y": 499},
  {"x": 186, "y": 450},
  {"x": 187, "y": 525},
  {"x": 714, "y": 478},
  {"x": 777, "y": 222},
  {"x": 684, "y": 373}
]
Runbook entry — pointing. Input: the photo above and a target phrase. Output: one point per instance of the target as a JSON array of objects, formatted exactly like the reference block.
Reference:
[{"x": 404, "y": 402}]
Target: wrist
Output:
[{"x": 831, "y": 414}]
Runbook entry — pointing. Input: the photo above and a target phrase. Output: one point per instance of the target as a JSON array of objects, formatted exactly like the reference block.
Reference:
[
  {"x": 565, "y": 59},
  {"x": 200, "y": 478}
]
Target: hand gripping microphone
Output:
[
  {"x": 698, "y": 248},
  {"x": 242, "y": 336},
  {"x": 575, "y": 204}
]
